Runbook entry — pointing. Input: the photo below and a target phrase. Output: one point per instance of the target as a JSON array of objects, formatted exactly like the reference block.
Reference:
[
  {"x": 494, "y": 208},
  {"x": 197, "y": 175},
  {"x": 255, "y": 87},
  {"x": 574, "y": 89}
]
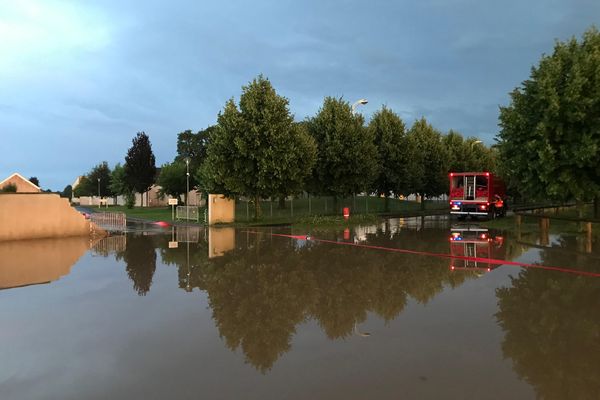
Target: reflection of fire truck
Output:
[
  {"x": 475, "y": 243},
  {"x": 477, "y": 194}
]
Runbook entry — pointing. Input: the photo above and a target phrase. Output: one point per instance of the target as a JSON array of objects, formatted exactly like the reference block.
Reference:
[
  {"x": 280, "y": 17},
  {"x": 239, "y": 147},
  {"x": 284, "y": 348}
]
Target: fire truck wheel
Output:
[{"x": 492, "y": 213}]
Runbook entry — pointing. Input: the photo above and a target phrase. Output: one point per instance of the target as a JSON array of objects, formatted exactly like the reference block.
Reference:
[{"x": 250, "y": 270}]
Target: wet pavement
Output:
[{"x": 287, "y": 313}]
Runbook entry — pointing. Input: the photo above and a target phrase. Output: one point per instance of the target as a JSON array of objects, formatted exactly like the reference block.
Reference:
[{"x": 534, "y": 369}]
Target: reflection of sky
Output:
[{"x": 103, "y": 70}]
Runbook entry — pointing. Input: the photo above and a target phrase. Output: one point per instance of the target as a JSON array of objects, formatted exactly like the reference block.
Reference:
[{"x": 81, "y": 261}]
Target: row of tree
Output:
[
  {"x": 137, "y": 175},
  {"x": 256, "y": 150}
]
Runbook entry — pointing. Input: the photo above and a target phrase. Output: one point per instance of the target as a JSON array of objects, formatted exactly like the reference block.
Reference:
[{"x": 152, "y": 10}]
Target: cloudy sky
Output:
[{"x": 78, "y": 79}]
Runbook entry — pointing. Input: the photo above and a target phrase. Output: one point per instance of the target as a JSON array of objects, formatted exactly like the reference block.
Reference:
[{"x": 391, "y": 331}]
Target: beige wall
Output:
[
  {"x": 32, "y": 216},
  {"x": 30, "y": 262},
  {"x": 220, "y": 209}
]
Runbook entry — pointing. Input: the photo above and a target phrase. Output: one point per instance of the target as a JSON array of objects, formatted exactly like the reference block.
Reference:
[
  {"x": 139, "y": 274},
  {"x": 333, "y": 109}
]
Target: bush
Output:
[
  {"x": 129, "y": 200},
  {"x": 9, "y": 188}
]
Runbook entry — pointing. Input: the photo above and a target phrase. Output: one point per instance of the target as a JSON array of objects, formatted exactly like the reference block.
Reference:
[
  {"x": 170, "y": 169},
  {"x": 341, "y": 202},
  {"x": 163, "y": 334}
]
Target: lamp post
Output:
[
  {"x": 187, "y": 193},
  {"x": 474, "y": 143},
  {"x": 98, "y": 192},
  {"x": 357, "y": 103}
]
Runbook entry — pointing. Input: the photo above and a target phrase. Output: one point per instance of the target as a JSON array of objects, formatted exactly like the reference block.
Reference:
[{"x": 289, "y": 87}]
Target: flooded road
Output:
[{"x": 273, "y": 314}]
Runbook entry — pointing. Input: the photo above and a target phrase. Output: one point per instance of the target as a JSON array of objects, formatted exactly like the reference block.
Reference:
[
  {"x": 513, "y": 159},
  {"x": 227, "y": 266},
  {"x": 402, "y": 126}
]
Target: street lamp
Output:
[
  {"x": 98, "y": 192},
  {"x": 360, "y": 102},
  {"x": 474, "y": 143},
  {"x": 187, "y": 193}
]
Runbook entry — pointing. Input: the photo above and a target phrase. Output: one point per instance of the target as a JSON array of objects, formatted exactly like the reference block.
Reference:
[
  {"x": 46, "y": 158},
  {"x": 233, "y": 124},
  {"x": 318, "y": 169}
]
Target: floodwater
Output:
[{"x": 264, "y": 313}]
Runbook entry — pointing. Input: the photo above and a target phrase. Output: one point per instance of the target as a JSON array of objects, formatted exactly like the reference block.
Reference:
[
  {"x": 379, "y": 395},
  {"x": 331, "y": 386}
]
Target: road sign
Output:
[{"x": 173, "y": 202}]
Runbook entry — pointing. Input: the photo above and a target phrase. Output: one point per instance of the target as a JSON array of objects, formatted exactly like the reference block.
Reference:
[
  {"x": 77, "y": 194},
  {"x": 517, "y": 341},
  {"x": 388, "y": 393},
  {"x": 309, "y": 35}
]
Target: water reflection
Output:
[
  {"x": 551, "y": 322},
  {"x": 140, "y": 261},
  {"x": 32, "y": 262},
  {"x": 263, "y": 288}
]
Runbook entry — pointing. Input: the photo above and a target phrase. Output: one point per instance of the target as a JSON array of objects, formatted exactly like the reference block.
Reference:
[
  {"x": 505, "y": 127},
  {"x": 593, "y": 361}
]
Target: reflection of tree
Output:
[
  {"x": 260, "y": 292},
  {"x": 552, "y": 327},
  {"x": 189, "y": 270},
  {"x": 140, "y": 257}
]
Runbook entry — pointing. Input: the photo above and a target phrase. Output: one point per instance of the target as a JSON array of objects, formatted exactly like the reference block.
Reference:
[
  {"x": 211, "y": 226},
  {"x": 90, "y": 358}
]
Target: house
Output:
[{"x": 23, "y": 185}]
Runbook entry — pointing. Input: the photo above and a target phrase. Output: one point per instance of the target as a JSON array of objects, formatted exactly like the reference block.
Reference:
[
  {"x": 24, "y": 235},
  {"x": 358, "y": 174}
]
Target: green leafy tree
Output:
[
  {"x": 9, "y": 188},
  {"x": 140, "y": 165},
  {"x": 119, "y": 187},
  {"x": 549, "y": 143},
  {"x": 468, "y": 155},
  {"x": 256, "y": 150},
  {"x": 35, "y": 181},
  {"x": 395, "y": 155},
  {"x": 67, "y": 192},
  {"x": 192, "y": 146},
  {"x": 172, "y": 179},
  {"x": 99, "y": 178},
  {"x": 431, "y": 178},
  {"x": 84, "y": 187},
  {"x": 346, "y": 152}
]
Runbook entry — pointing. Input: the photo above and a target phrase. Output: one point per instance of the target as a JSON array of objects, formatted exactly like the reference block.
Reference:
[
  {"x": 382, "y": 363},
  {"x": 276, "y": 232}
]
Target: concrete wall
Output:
[
  {"x": 220, "y": 209},
  {"x": 32, "y": 216}
]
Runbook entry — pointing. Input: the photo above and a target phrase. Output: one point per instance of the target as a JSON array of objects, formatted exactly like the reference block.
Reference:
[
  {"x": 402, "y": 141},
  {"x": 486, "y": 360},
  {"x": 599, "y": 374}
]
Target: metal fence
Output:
[
  {"x": 110, "y": 221},
  {"x": 305, "y": 206},
  {"x": 188, "y": 234},
  {"x": 111, "y": 244},
  {"x": 191, "y": 213}
]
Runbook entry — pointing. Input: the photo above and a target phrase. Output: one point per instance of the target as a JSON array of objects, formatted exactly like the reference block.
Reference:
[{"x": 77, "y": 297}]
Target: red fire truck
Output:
[{"x": 477, "y": 194}]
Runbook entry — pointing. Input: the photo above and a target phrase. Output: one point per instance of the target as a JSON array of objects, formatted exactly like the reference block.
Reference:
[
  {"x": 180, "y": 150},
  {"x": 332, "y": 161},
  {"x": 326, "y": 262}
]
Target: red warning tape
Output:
[{"x": 439, "y": 255}]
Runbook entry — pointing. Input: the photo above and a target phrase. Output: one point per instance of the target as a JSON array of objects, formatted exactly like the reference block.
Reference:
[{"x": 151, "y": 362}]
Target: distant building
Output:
[{"x": 23, "y": 185}]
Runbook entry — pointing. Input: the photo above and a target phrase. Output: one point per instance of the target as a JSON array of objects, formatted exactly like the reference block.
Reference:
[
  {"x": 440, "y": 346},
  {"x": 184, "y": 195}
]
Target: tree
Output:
[
  {"x": 140, "y": 167},
  {"x": 9, "y": 188},
  {"x": 394, "y": 154},
  {"x": 467, "y": 155},
  {"x": 346, "y": 154},
  {"x": 84, "y": 187},
  {"x": 35, "y": 181},
  {"x": 193, "y": 146},
  {"x": 172, "y": 179},
  {"x": 430, "y": 154},
  {"x": 256, "y": 150},
  {"x": 67, "y": 192},
  {"x": 98, "y": 178},
  {"x": 119, "y": 187},
  {"x": 549, "y": 143}
]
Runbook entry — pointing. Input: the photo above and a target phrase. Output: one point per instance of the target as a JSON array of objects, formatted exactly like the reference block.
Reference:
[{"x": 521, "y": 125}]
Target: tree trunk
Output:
[
  {"x": 257, "y": 207},
  {"x": 597, "y": 206},
  {"x": 281, "y": 204},
  {"x": 422, "y": 202}
]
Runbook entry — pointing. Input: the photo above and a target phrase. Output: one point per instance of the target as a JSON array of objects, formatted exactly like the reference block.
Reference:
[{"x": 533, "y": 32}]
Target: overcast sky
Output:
[{"x": 78, "y": 79}]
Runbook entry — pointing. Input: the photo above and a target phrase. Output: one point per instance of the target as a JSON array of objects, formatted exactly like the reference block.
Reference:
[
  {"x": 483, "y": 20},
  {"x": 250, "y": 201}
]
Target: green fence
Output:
[{"x": 307, "y": 205}]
